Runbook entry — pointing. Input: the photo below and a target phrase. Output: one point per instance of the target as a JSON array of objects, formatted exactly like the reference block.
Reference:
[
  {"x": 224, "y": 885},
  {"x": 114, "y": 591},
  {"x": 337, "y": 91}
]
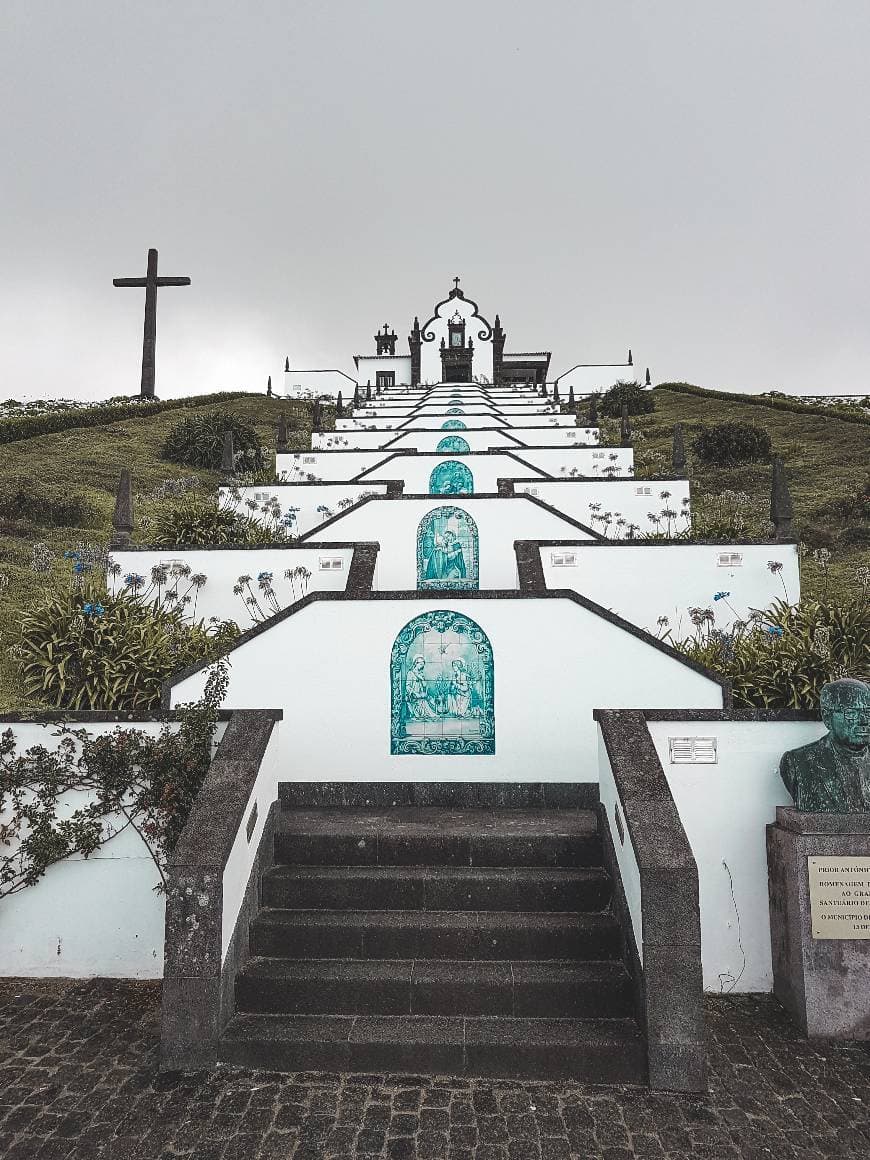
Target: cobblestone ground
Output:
[{"x": 78, "y": 1079}]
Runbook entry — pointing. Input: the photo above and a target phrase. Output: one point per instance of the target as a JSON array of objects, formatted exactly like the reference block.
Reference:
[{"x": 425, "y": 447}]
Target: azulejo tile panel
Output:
[
  {"x": 455, "y": 411},
  {"x": 442, "y": 686},
  {"x": 453, "y": 445},
  {"x": 447, "y": 549},
  {"x": 451, "y": 478},
  {"x": 453, "y": 425}
]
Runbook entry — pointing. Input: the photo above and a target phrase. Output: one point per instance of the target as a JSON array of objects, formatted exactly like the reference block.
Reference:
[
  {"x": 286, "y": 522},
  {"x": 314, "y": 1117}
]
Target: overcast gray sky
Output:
[{"x": 686, "y": 178}]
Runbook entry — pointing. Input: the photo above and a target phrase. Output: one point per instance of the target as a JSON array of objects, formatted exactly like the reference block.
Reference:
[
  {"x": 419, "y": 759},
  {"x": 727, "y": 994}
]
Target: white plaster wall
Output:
[
  {"x": 555, "y": 435},
  {"x": 626, "y": 858},
  {"x": 559, "y": 461},
  {"x": 443, "y": 408},
  {"x": 416, "y": 470},
  {"x": 241, "y": 857},
  {"x": 367, "y": 367},
  {"x": 645, "y": 582},
  {"x": 86, "y": 916},
  {"x": 430, "y": 352},
  {"x": 555, "y": 661},
  {"x": 478, "y": 440},
  {"x": 314, "y": 383},
  {"x": 309, "y": 497},
  {"x": 223, "y": 567},
  {"x": 724, "y": 809},
  {"x": 394, "y": 524},
  {"x": 617, "y": 496},
  {"x": 339, "y": 466},
  {"x": 584, "y": 380},
  {"x": 367, "y": 422}
]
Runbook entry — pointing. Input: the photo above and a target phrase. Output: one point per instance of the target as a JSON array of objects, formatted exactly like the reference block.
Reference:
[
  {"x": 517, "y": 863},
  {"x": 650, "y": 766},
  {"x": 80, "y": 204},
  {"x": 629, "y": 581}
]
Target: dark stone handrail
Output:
[
  {"x": 669, "y": 981},
  {"x": 197, "y": 977}
]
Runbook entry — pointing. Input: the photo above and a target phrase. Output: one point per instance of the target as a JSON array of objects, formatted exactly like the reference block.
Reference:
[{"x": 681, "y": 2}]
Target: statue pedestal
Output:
[{"x": 819, "y": 888}]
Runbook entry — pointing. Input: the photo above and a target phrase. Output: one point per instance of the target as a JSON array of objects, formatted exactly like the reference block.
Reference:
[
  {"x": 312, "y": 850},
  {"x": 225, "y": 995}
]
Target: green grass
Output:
[
  {"x": 87, "y": 461},
  {"x": 826, "y": 459}
]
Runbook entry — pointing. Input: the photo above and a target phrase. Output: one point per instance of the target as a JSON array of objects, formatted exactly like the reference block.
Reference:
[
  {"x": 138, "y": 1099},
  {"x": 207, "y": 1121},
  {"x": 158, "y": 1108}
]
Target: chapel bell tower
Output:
[{"x": 456, "y": 356}]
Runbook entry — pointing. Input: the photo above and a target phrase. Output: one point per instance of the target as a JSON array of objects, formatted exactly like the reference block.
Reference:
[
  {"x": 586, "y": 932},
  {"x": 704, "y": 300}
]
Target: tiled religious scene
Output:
[{"x": 478, "y": 843}]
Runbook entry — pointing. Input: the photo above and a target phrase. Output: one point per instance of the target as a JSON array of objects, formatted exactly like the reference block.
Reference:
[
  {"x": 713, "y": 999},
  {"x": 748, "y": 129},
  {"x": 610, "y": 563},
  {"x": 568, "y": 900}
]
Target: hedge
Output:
[
  {"x": 27, "y": 426},
  {"x": 833, "y": 412}
]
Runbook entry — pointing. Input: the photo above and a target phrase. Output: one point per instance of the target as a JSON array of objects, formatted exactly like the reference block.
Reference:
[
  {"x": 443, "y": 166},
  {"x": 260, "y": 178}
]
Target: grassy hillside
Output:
[
  {"x": 86, "y": 462},
  {"x": 826, "y": 459}
]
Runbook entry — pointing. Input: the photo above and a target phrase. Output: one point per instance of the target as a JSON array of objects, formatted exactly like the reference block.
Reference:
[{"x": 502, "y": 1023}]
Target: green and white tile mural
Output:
[
  {"x": 447, "y": 549},
  {"x": 455, "y": 411},
  {"x": 453, "y": 425},
  {"x": 453, "y": 445},
  {"x": 442, "y": 687},
  {"x": 451, "y": 478}
]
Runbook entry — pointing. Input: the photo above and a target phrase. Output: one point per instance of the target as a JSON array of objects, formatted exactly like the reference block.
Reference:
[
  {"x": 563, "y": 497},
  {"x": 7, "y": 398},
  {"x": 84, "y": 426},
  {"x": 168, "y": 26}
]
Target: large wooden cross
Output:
[{"x": 149, "y": 340}]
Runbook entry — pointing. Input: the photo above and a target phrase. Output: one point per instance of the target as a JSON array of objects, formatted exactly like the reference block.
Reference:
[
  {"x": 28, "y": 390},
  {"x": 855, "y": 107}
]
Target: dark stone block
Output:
[
  {"x": 419, "y": 1043},
  {"x": 461, "y": 988},
  {"x": 190, "y": 1023}
]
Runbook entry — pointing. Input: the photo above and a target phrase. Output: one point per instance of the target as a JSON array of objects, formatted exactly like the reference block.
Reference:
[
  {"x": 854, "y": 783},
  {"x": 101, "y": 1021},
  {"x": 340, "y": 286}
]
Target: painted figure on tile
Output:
[
  {"x": 441, "y": 676},
  {"x": 417, "y": 691},
  {"x": 451, "y": 478},
  {"x": 447, "y": 549},
  {"x": 461, "y": 696}
]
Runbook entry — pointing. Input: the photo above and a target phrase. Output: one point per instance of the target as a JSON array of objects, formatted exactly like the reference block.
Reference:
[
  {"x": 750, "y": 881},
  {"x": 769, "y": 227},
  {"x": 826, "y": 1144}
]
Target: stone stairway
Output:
[{"x": 424, "y": 939}]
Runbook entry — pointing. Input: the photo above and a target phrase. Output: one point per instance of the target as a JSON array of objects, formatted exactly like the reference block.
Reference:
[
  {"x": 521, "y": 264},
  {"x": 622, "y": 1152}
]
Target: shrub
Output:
[
  {"x": 850, "y": 415},
  {"x": 638, "y": 400},
  {"x": 727, "y": 444},
  {"x": 50, "y": 420},
  {"x": 781, "y": 658},
  {"x": 205, "y": 522},
  {"x": 152, "y": 781},
  {"x": 198, "y": 441},
  {"x": 87, "y": 649},
  {"x": 24, "y": 499}
]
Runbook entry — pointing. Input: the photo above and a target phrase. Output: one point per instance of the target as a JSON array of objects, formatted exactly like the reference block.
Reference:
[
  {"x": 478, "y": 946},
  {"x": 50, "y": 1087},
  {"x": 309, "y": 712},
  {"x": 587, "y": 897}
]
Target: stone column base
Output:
[{"x": 824, "y": 983}]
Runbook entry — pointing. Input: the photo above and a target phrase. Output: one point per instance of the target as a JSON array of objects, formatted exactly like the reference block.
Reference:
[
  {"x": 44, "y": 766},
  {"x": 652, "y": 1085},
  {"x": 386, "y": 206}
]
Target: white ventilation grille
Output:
[
  {"x": 309, "y": 458},
  {"x": 331, "y": 563},
  {"x": 599, "y": 455},
  {"x": 692, "y": 750},
  {"x": 643, "y": 491},
  {"x": 729, "y": 559},
  {"x": 563, "y": 559},
  {"x": 530, "y": 490}
]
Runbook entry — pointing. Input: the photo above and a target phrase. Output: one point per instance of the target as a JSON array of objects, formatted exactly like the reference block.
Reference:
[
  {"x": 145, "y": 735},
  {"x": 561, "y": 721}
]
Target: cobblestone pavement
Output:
[{"x": 78, "y": 1079}]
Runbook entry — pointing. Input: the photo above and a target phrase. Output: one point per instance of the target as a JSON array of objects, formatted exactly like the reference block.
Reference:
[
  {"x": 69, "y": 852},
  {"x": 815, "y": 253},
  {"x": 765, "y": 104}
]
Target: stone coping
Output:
[
  {"x": 454, "y": 595},
  {"x": 454, "y": 501},
  {"x": 822, "y": 825},
  {"x": 280, "y": 546},
  {"x": 671, "y": 978},
  {"x": 99, "y": 716},
  {"x": 729, "y": 714},
  {"x": 659, "y": 543}
]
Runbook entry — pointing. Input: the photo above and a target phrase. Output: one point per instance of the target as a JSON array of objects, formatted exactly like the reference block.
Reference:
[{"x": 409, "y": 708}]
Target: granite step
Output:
[
  {"x": 403, "y": 836},
  {"x": 604, "y": 1051},
  {"x": 416, "y": 934},
  {"x": 435, "y": 888},
  {"x": 434, "y": 987}
]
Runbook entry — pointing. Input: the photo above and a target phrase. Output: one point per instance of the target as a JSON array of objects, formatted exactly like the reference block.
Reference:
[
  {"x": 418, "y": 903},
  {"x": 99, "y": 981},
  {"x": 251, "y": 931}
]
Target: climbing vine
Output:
[{"x": 149, "y": 782}]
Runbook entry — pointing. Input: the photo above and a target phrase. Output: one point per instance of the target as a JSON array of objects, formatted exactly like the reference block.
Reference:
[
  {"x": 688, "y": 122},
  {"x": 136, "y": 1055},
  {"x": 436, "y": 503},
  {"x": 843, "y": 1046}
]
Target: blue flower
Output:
[
  {"x": 79, "y": 567},
  {"x": 774, "y": 630},
  {"x": 133, "y": 580},
  {"x": 264, "y": 577},
  {"x": 720, "y": 595},
  {"x": 98, "y": 609},
  {"x": 87, "y": 609},
  {"x": 68, "y": 555}
]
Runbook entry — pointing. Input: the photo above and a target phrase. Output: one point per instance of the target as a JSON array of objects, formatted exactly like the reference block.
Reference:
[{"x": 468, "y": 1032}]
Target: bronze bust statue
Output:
[{"x": 832, "y": 775}]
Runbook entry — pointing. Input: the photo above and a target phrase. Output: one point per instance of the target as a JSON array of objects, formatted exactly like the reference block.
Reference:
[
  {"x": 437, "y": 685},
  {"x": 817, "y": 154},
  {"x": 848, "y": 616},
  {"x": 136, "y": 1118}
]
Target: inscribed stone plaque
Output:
[{"x": 840, "y": 897}]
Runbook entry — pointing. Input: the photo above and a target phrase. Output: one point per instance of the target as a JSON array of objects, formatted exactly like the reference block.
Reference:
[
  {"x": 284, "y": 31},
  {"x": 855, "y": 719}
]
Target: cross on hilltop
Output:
[{"x": 149, "y": 338}]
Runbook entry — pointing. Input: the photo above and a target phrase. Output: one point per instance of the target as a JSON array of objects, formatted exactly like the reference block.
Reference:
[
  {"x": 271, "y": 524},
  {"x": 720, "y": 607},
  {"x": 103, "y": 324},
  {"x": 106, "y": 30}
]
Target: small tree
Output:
[
  {"x": 638, "y": 401},
  {"x": 727, "y": 444}
]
